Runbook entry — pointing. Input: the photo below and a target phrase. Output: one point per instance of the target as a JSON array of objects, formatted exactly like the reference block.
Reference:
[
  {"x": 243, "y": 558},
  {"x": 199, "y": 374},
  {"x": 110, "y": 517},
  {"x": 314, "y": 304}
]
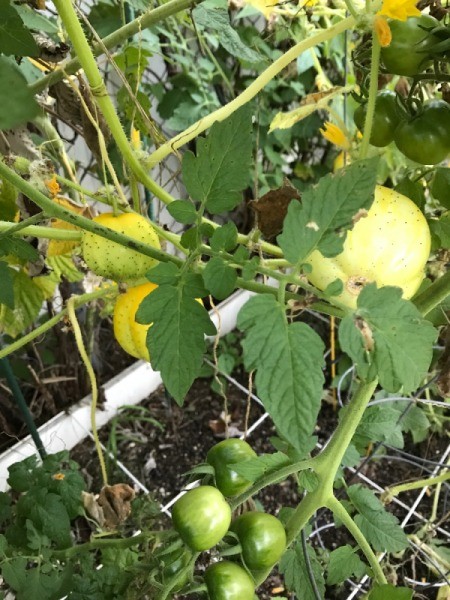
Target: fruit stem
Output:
[{"x": 373, "y": 90}]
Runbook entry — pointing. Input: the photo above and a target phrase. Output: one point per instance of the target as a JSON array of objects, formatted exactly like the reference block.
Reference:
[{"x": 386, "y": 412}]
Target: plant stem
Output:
[
  {"x": 55, "y": 210},
  {"x": 248, "y": 94},
  {"x": 10, "y": 228},
  {"x": 101, "y": 544},
  {"x": 84, "y": 53},
  {"x": 418, "y": 484},
  {"x": 38, "y": 231},
  {"x": 373, "y": 90},
  {"x": 436, "y": 293},
  {"x": 93, "y": 380},
  {"x": 112, "y": 290},
  {"x": 114, "y": 39},
  {"x": 339, "y": 510}
]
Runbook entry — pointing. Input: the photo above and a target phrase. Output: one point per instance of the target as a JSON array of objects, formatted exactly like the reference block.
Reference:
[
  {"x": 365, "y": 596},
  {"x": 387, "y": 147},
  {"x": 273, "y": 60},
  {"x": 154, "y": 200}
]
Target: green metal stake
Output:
[{"x": 5, "y": 368}]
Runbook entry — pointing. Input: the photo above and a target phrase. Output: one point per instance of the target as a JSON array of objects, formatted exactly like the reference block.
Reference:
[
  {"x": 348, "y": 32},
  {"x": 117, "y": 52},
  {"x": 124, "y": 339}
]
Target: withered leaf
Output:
[{"x": 271, "y": 209}]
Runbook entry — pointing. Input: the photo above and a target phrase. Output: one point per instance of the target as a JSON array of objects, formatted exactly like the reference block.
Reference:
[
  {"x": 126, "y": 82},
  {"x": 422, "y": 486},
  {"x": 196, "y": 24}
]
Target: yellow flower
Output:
[
  {"x": 53, "y": 186},
  {"x": 399, "y": 9},
  {"x": 335, "y": 135},
  {"x": 59, "y": 476},
  {"x": 383, "y": 31}
]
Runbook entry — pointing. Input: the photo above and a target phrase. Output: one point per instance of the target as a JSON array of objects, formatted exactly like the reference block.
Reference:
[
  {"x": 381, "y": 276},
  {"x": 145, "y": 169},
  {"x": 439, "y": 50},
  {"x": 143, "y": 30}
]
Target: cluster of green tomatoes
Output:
[
  {"x": 202, "y": 517},
  {"x": 421, "y": 131}
]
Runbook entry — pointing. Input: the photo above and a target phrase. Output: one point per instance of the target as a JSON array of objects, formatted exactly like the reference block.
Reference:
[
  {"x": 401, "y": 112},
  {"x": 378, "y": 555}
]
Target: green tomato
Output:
[
  {"x": 222, "y": 457},
  {"x": 262, "y": 538},
  {"x": 228, "y": 581},
  {"x": 409, "y": 51},
  {"x": 425, "y": 138},
  {"x": 201, "y": 517},
  {"x": 385, "y": 119}
]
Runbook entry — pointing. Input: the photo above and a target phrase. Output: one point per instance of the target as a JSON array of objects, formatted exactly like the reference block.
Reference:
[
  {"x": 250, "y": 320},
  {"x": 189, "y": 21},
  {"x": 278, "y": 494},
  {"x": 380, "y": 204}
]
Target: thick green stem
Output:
[
  {"x": 40, "y": 231},
  {"x": 340, "y": 512},
  {"x": 416, "y": 485},
  {"x": 84, "y": 53},
  {"x": 55, "y": 210},
  {"x": 253, "y": 89},
  {"x": 436, "y": 293},
  {"x": 114, "y": 39},
  {"x": 373, "y": 90},
  {"x": 120, "y": 543},
  {"x": 330, "y": 459}
]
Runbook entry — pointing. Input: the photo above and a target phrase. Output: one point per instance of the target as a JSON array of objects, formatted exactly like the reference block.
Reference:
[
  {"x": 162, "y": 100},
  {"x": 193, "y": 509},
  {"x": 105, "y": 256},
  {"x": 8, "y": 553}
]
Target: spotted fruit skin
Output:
[
  {"x": 390, "y": 246},
  {"x": 131, "y": 335},
  {"x": 112, "y": 260}
]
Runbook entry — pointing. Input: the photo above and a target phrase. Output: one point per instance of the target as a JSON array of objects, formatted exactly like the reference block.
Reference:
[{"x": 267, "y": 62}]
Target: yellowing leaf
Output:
[{"x": 59, "y": 247}]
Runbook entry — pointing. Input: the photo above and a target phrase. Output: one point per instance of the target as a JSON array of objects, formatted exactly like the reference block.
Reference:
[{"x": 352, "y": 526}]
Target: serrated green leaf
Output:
[
  {"x": 15, "y": 39},
  {"x": 441, "y": 228},
  {"x": 220, "y": 279},
  {"x": 17, "y": 102},
  {"x": 379, "y": 527},
  {"x": 390, "y": 592},
  {"x": 224, "y": 238},
  {"x": 19, "y": 248},
  {"x": 5, "y": 508},
  {"x": 254, "y": 468},
  {"x": 28, "y": 298},
  {"x": 293, "y": 567},
  {"x": 8, "y": 201},
  {"x": 378, "y": 424},
  {"x": 218, "y": 20},
  {"x": 308, "y": 480},
  {"x": 344, "y": 563},
  {"x": 183, "y": 211},
  {"x": 288, "y": 359},
  {"x": 176, "y": 340},
  {"x": 37, "y": 21},
  {"x": 164, "y": 273},
  {"x": 413, "y": 190},
  {"x": 190, "y": 238},
  {"x": 220, "y": 171},
  {"x": 7, "y": 286},
  {"x": 327, "y": 210},
  {"x": 440, "y": 186},
  {"x": 64, "y": 266},
  {"x": 388, "y": 337}
]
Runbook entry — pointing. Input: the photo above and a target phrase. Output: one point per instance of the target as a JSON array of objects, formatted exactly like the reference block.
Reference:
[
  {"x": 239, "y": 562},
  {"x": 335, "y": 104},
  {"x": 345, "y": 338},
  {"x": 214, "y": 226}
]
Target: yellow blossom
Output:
[
  {"x": 382, "y": 30},
  {"x": 53, "y": 186},
  {"x": 135, "y": 139},
  {"x": 59, "y": 476},
  {"x": 399, "y": 9},
  {"x": 335, "y": 135}
]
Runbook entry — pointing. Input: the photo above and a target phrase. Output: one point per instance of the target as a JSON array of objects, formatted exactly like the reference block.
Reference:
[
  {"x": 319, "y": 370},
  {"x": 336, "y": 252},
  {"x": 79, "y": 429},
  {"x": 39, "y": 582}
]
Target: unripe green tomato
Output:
[
  {"x": 409, "y": 51},
  {"x": 228, "y": 581},
  {"x": 113, "y": 260},
  {"x": 132, "y": 336},
  {"x": 262, "y": 538},
  {"x": 202, "y": 517},
  {"x": 385, "y": 118},
  {"x": 390, "y": 246},
  {"x": 222, "y": 457}
]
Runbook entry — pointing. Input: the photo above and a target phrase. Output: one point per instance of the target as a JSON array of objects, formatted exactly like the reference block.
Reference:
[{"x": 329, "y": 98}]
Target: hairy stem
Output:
[{"x": 373, "y": 90}]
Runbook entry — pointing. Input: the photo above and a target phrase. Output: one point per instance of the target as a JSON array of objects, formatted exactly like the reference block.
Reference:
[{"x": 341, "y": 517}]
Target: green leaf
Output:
[
  {"x": 225, "y": 238},
  {"x": 220, "y": 279},
  {"x": 293, "y": 567},
  {"x": 176, "y": 340},
  {"x": 308, "y": 480},
  {"x": 288, "y": 359},
  {"x": 390, "y": 592},
  {"x": 63, "y": 266},
  {"x": 254, "y": 468},
  {"x": 218, "y": 20},
  {"x": 5, "y": 508},
  {"x": 28, "y": 298},
  {"x": 441, "y": 228},
  {"x": 344, "y": 563},
  {"x": 6, "y": 287},
  {"x": 327, "y": 211},
  {"x": 8, "y": 201},
  {"x": 17, "y": 102},
  {"x": 378, "y": 424},
  {"x": 379, "y": 527},
  {"x": 15, "y": 39},
  {"x": 19, "y": 248},
  {"x": 440, "y": 186},
  {"x": 35, "y": 20},
  {"x": 183, "y": 211},
  {"x": 164, "y": 273},
  {"x": 388, "y": 337},
  {"x": 413, "y": 190},
  {"x": 220, "y": 171}
]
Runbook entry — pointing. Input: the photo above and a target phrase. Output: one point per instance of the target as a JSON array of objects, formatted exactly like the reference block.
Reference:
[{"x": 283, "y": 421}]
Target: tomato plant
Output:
[
  {"x": 262, "y": 538},
  {"x": 425, "y": 138},
  {"x": 388, "y": 246},
  {"x": 409, "y": 50},
  {"x": 385, "y": 119},
  {"x": 222, "y": 457},
  {"x": 116, "y": 261},
  {"x": 228, "y": 581},
  {"x": 132, "y": 336},
  {"x": 201, "y": 517}
]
